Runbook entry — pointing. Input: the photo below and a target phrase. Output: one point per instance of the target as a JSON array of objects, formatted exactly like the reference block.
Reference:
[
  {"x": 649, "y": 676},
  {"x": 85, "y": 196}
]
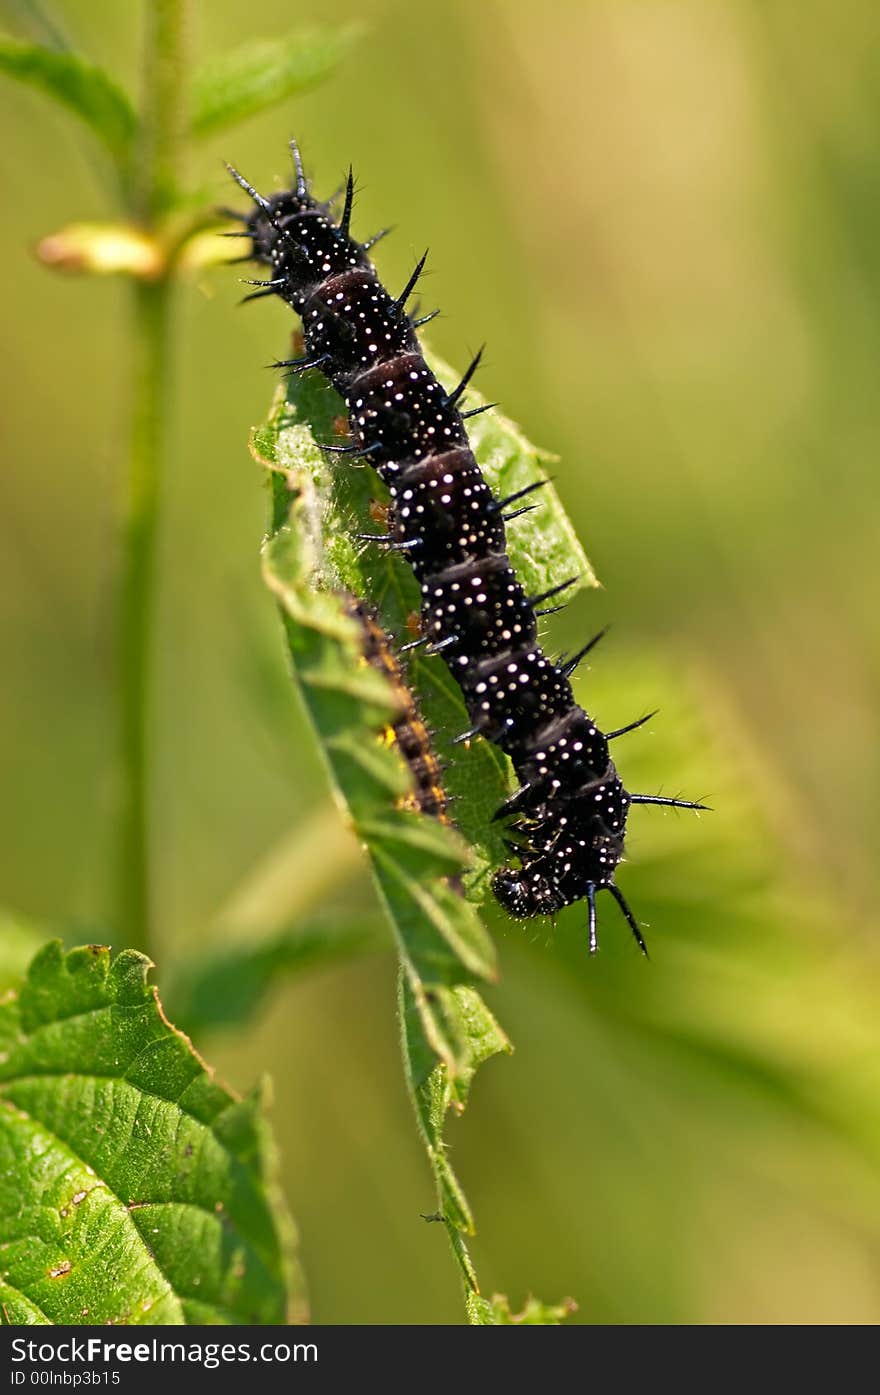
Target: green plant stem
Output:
[
  {"x": 151, "y": 344},
  {"x": 155, "y": 177}
]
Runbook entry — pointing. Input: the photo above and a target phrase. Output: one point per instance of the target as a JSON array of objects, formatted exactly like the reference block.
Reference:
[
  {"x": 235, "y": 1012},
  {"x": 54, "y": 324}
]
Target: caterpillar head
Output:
[{"x": 531, "y": 890}]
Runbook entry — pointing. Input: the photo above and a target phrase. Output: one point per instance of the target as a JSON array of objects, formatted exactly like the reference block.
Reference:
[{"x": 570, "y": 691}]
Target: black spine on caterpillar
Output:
[{"x": 568, "y": 817}]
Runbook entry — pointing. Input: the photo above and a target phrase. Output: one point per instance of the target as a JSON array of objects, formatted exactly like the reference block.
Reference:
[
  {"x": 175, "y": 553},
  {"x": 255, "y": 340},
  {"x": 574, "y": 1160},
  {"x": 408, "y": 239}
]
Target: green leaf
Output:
[
  {"x": 79, "y": 85},
  {"x": 495, "y": 1312},
  {"x": 264, "y": 72},
  {"x": 19, "y": 941},
  {"x": 439, "y": 934},
  {"x": 136, "y": 1188},
  {"x": 225, "y": 988},
  {"x": 104, "y": 249},
  {"x": 312, "y": 555}
]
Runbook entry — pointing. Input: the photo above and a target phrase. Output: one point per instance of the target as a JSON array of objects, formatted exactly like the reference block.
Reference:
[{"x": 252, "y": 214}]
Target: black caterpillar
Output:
[
  {"x": 408, "y": 730},
  {"x": 568, "y": 816}
]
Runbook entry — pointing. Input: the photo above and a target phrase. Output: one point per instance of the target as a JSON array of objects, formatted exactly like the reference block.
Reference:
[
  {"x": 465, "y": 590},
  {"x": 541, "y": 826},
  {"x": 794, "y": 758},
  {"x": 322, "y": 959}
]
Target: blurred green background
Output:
[{"x": 664, "y": 219}]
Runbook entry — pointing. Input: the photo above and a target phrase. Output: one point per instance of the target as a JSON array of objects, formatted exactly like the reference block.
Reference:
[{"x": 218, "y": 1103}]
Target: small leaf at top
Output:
[
  {"x": 135, "y": 1188},
  {"x": 314, "y": 552},
  {"x": 104, "y": 249},
  {"x": 263, "y": 72},
  {"x": 79, "y": 85}
]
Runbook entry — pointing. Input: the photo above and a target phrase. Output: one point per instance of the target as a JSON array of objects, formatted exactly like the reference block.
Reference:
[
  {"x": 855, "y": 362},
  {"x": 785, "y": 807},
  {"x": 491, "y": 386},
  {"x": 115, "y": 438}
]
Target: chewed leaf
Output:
[
  {"x": 19, "y": 941},
  {"x": 417, "y": 861},
  {"x": 221, "y": 989},
  {"x": 104, "y": 249},
  {"x": 265, "y": 71},
  {"x": 137, "y": 1189},
  {"x": 546, "y": 551},
  {"x": 473, "y": 1035},
  {"x": 80, "y": 86}
]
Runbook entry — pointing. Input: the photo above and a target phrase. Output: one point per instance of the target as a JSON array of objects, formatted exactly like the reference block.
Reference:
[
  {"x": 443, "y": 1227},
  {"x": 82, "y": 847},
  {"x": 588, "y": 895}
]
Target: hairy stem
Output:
[
  {"x": 150, "y": 337},
  {"x": 156, "y": 176}
]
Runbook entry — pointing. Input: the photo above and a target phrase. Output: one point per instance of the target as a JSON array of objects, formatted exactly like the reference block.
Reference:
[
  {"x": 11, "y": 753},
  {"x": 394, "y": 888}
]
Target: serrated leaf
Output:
[
  {"x": 135, "y": 1188},
  {"x": 79, "y": 85},
  {"x": 265, "y": 71}
]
